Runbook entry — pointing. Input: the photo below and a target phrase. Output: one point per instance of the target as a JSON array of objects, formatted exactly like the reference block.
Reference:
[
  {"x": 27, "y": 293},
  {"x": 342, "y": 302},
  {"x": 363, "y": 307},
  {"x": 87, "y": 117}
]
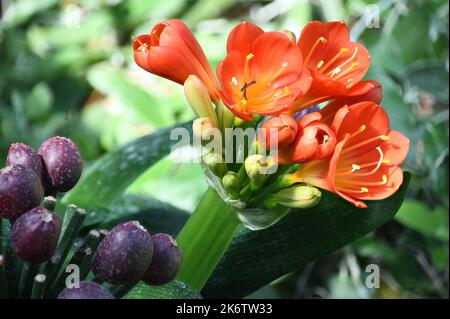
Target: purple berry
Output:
[
  {"x": 35, "y": 234},
  {"x": 20, "y": 191},
  {"x": 62, "y": 163},
  {"x": 166, "y": 260},
  {"x": 86, "y": 290},
  {"x": 22, "y": 154},
  {"x": 124, "y": 254}
]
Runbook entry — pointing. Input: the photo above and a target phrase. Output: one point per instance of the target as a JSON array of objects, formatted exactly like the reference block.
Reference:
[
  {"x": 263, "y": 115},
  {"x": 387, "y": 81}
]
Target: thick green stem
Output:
[
  {"x": 3, "y": 282},
  {"x": 205, "y": 238},
  {"x": 38, "y": 286}
]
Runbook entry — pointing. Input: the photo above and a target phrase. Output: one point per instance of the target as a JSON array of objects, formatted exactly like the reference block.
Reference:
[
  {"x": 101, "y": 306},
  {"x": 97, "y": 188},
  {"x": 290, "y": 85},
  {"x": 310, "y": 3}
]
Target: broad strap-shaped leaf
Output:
[
  {"x": 111, "y": 175},
  {"x": 155, "y": 215},
  {"x": 256, "y": 258},
  {"x": 173, "y": 290}
]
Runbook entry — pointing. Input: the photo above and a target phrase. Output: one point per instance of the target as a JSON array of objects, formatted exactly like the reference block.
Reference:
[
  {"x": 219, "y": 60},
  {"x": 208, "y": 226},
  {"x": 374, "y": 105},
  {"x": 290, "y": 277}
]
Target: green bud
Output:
[
  {"x": 203, "y": 128},
  {"x": 231, "y": 184},
  {"x": 198, "y": 98},
  {"x": 296, "y": 197},
  {"x": 256, "y": 167},
  {"x": 215, "y": 163},
  {"x": 224, "y": 115}
]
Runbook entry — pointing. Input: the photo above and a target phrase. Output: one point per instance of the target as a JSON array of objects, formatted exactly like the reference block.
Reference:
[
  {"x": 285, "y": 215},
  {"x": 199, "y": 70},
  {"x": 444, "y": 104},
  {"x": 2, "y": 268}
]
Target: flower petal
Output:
[{"x": 242, "y": 36}]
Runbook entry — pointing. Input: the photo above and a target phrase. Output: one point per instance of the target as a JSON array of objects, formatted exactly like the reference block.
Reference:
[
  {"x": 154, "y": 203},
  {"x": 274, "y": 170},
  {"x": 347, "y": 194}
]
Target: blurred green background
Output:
[{"x": 66, "y": 68}]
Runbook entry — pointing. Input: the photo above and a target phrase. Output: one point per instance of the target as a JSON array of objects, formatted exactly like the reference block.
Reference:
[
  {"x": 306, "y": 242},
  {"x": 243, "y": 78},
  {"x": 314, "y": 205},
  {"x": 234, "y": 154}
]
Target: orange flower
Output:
[
  {"x": 286, "y": 128},
  {"x": 171, "y": 51},
  {"x": 262, "y": 72},
  {"x": 314, "y": 140},
  {"x": 337, "y": 65},
  {"x": 373, "y": 93},
  {"x": 366, "y": 161}
]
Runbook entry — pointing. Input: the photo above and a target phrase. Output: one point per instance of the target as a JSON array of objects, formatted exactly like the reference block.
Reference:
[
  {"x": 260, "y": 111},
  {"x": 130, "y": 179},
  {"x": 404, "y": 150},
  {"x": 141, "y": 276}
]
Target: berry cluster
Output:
[{"x": 36, "y": 249}]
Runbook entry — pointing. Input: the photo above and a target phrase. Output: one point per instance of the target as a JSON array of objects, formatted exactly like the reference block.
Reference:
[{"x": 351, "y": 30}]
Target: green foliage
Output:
[
  {"x": 301, "y": 237},
  {"x": 66, "y": 68},
  {"x": 173, "y": 290}
]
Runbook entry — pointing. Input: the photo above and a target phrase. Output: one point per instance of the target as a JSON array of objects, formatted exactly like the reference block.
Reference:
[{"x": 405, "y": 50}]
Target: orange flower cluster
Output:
[{"x": 347, "y": 147}]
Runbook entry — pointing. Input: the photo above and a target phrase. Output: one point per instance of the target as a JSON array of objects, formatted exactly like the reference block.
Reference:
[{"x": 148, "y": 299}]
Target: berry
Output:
[
  {"x": 22, "y": 154},
  {"x": 35, "y": 234},
  {"x": 20, "y": 191},
  {"x": 166, "y": 261},
  {"x": 62, "y": 164},
  {"x": 86, "y": 290},
  {"x": 124, "y": 254}
]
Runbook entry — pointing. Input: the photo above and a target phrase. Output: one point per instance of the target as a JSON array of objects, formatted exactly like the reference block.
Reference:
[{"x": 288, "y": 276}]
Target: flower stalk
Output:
[{"x": 205, "y": 238}]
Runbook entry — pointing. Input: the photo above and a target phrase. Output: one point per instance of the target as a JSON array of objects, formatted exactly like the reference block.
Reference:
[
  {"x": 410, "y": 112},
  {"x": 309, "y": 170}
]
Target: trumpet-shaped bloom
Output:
[
  {"x": 262, "y": 72},
  {"x": 337, "y": 64},
  {"x": 171, "y": 51},
  {"x": 314, "y": 140},
  {"x": 373, "y": 94},
  {"x": 366, "y": 161}
]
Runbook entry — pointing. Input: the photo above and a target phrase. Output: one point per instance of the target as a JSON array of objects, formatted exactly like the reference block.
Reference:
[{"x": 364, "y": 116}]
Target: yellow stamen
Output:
[
  {"x": 319, "y": 65},
  {"x": 319, "y": 40},
  {"x": 356, "y": 146},
  {"x": 357, "y": 183},
  {"x": 143, "y": 47},
  {"x": 334, "y": 59},
  {"x": 364, "y": 189},
  {"x": 349, "y": 59},
  {"x": 347, "y": 71},
  {"x": 247, "y": 59}
]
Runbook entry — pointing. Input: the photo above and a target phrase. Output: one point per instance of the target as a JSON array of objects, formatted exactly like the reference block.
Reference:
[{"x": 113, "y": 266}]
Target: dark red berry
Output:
[
  {"x": 62, "y": 163},
  {"x": 22, "y": 154},
  {"x": 86, "y": 290},
  {"x": 35, "y": 234},
  {"x": 124, "y": 254},
  {"x": 166, "y": 260},
  {"x": 20, "y": 191}
]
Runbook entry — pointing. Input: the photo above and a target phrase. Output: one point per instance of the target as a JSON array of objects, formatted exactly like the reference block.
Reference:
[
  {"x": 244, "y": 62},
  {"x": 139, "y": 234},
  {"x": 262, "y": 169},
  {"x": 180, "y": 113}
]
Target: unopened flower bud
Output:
[
  {"x": 315, "y": 140},
  {"x": 166, "y": 261},
  {"x": 204, "y": 128},
  {"x": 296, "y": 197},
  {"x": 257, "y": 167},
  {"x": 225, "y": 117},
  {"x": 231, "y": 184},
  {"x": 35, "y": 234},
  {"x": 124, "y": 254},
  {"x": 86, "y": 290},
  {"x": 286, "y": 128},
  {"x": 215, "y": 163},
  {"x": 198, "y": 98}
]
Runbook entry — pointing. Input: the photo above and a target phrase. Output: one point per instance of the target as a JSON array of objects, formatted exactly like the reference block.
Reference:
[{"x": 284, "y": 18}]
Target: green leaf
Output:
[
  {"x": 19, "y": 12},
  {"x": 39, "y": 101},
  {"x": 173, "y": 290},
  {"x": 155, "y": 215},
  {"x": 111, "y": 175},
  {"x": 113, "y": 83},
  {"x": 256, "y": 258},
  {"x": 419, "y": 217}
]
